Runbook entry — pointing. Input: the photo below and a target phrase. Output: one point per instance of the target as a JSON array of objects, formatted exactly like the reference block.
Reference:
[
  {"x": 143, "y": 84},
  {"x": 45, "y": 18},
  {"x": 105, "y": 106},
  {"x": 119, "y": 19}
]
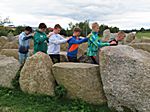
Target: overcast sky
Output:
[{"x": 125, "y": 14}]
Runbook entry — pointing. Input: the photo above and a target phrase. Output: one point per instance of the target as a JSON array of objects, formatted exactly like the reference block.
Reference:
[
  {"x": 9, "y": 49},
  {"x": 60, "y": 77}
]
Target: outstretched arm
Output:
[
  {"x": 98, "y": 43},
  {"x": 80, "y": 41},
  {"x": 60, "y": 40}
]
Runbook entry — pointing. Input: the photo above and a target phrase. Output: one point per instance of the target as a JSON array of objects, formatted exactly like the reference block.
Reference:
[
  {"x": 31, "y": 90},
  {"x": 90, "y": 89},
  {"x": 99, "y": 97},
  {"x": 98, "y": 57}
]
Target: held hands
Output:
[
  {"x": 50, "y": 34},
  {"x": 32, "y": 34},
  {"x": 113, "y": 43},
  {"x": 69, "y": 38},
  {"x": 89, "y": 35}
]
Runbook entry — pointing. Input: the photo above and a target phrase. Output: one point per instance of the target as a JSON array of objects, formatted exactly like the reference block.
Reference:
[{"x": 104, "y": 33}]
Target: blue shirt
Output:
[
  {"x": 74, "y": 44},
  {"x": 24, "y": 42}
]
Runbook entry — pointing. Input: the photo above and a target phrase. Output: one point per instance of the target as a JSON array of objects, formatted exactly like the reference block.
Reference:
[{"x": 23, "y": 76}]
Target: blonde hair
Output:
[
  {"x": 95, "y": 24},
  {"x": 121, "y": 33}
]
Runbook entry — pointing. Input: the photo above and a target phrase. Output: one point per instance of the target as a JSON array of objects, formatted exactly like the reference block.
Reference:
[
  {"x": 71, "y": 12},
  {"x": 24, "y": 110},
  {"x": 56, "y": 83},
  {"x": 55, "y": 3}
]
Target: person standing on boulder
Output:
[
  {"x": 94, "y": 43},
  {"x": 41, "y": 39},
  {"x": 24, "y": 41},
  {"x": 74, "y": 44},
  {"x": 54, "y": 44}
]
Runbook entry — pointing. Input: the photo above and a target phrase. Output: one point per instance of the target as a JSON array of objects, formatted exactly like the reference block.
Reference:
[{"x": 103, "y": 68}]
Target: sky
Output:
[{"x": 125, "y": 14}]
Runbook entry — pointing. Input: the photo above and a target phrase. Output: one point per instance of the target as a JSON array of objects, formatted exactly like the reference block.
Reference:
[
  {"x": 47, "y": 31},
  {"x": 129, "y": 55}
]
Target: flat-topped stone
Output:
[
  {"x": 143, "y": 46},
  {"x": 75, "y": 65},
  {"x": 81, "y": 81}
]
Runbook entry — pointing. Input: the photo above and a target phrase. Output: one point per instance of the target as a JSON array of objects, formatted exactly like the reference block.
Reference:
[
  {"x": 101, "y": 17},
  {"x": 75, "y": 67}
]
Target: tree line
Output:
[{"x": 4, "y": 31}]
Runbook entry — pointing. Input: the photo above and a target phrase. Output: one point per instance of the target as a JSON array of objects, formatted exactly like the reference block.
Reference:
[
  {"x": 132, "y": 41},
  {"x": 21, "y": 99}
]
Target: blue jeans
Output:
[{"x": 23, "y": 57}]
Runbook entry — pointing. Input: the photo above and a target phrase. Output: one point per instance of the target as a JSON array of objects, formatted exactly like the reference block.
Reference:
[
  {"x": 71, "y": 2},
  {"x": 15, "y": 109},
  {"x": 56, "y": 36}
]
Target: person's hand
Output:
[
  {"x": 50, "y": 34},
  {"x": 69, "y": 38},
  {"x": 113, "y": 43},
  {"x": 89, "y": 35},
  {"x": 33, "y": 34}
]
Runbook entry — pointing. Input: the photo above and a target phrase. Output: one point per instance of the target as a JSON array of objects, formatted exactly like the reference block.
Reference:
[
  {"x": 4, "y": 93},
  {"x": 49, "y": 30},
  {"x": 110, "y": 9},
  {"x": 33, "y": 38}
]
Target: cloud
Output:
[{"x": 123, "y": 14}]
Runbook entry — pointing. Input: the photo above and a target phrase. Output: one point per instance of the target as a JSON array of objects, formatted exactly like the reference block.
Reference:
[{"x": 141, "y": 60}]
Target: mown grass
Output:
[
  {"x": 17, "y": 101},
  {"x": 143, "y": 34}
]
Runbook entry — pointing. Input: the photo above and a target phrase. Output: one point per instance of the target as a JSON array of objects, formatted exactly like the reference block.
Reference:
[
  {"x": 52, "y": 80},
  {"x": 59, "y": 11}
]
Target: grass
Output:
[
  {"x": 143, "y": 34},
  {"x": 17, "y": 101}
]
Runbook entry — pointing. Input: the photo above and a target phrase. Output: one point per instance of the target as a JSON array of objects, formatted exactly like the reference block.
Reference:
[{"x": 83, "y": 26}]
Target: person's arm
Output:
[
  {"x": 60, "y": 40},
  {"x": 103, "y": 44},
  {"x": 98, "y": 43},
  {"x": 26, "y": 38},
  {"x": 80, "y": 41},
  {"x": 39, "y": 40}
]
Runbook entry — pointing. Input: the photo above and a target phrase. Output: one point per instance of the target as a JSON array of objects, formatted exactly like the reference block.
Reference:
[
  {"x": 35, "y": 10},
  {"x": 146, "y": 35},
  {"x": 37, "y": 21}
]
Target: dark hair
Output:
[
  {"x": 76, "y": 29},
  {"x": 57, "y": 26},
  {"x": 28, "y": 28},
  {"x": 42, "y": 26}
]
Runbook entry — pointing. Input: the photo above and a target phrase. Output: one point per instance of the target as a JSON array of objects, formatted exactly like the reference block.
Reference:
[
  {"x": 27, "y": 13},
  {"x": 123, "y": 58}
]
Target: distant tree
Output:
[
  {"x": 4, "y": 21},
  {"x": 63, "y": 32},
  {"x": 83, "y": 25},
  {"x": 86, "y": 29},
  {"x": 142, "y": 29},
  {"x": 19, "y": 29}
]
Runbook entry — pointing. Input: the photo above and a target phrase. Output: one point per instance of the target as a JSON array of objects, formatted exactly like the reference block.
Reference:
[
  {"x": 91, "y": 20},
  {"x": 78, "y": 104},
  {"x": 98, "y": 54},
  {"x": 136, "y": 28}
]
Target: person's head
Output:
[
  {"x": 77, "y": 31},
  {"x": 57, "y": 29},
  {"x": 121, "y": 35},
  {"x": 95, "y": 27},
  {"x": 42, "y": 27},
  {"x": 28, "y": 30}
]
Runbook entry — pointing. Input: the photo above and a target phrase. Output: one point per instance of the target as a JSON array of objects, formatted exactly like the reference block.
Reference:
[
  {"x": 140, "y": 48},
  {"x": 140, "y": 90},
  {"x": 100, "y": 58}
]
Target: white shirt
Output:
[{"x": 54, "y": 43}]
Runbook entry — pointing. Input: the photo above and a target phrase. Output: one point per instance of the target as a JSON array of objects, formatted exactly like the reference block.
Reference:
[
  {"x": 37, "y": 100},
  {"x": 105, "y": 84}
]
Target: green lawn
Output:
[
  {"x": 17, "y": 101},
  {"x": 141, "y": 34}
]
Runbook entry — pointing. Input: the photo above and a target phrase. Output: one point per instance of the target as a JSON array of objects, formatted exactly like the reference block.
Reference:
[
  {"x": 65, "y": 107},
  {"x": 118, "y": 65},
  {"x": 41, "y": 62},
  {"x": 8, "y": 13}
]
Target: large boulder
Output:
[
  {"x": 13, "y": 53},
  {"x": 8, "y": 69},
  {"x": 64, "y": 47},
  {"x": 141, "y": 40},
  {"x": 63, "y": 56},
  {"x": 81, "y": 81},
  {"x": 36, "y": 75},
  {"x": 11, "y": 45},
  {"x": 145, "y": 39},
  {"x": 3, "y": 41},
  {"x": 129, "y": 38},
  {"x": 143, "y": 46},
  {"x": 31, "y": 44},
  {"x": 82, "y": 49},
  {"x": 125, "y": 75}
]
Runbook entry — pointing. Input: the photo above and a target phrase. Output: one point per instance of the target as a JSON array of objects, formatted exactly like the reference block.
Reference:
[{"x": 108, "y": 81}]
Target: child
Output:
[
  {"x": 24, "y": 38},
  {"x": 54, "y": 44},
  {"x": 118, "y": 38},
  {"x": 40, "y": 39},
  {"x": 94, "y": 43},
  {"x": 74, "y": 44}
]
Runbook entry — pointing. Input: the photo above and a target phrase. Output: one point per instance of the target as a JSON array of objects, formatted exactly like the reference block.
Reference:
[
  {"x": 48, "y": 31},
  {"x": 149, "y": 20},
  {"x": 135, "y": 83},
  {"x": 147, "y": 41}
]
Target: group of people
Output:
[{"x": 50, "y": 44}]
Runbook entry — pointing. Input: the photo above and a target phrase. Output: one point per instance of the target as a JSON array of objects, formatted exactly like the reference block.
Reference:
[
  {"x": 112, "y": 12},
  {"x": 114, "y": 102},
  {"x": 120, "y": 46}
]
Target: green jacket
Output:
[
  {"x": 94, "y": 43},
  {"x": 40, "y": 43}
]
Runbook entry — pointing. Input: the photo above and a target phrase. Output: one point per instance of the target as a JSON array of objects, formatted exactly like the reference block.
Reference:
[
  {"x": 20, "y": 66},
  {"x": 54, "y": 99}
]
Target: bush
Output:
[
  {"x": 15, "y": 81},
  {"x": 19, "y": 29},
  {"x": 60, "y": 91},
  {"x": 4, "y": 32}
]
